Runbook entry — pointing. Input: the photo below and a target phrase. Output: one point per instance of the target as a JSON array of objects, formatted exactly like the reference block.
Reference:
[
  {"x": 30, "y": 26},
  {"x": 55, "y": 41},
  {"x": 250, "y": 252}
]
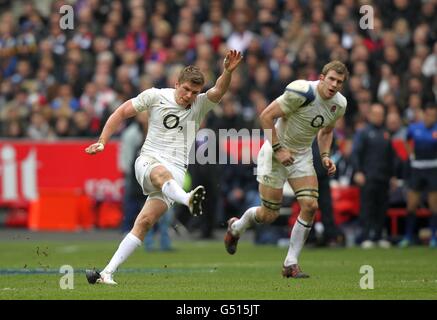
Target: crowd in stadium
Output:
[{"x": 57, "y": 83}]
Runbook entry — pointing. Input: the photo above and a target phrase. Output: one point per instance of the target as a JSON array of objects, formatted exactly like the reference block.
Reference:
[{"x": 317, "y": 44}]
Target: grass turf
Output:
[{"x": 203, "y": 270}]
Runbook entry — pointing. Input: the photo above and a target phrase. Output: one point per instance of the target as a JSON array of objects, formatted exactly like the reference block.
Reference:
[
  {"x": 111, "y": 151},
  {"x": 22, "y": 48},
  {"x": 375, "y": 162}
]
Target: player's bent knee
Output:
[
  {"x": 307, "y": 198},
  {"x": 270, "y": 216},
  {"x": 146, "y": 222},
  {"x": 159, "y": 176},
  {"x": 309, "y": 205}
]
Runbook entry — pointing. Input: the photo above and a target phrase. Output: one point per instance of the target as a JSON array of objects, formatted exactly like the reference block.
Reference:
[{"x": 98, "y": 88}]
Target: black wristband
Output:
[{"x": 276, "y": 147}]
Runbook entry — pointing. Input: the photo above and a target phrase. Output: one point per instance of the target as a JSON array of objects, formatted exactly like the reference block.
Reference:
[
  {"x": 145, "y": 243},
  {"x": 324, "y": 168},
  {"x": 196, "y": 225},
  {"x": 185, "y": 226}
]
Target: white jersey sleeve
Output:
[
  {"x": 206, "y": 106},
  {"x": 296, "y": 94},
  {"x": 343, "y": 104},
  {"x": 145, "y": 99}
]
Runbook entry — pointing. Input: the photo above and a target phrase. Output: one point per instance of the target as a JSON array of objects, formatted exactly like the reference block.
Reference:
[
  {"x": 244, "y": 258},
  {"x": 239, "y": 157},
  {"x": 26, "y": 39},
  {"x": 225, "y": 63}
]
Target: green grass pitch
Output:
[{"x": 203, "y": 270}]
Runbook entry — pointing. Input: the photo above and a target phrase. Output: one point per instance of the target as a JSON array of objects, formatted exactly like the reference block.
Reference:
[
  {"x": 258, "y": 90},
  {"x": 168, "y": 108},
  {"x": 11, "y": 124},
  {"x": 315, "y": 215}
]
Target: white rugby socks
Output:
[
  {"x": 125, "y": 249},
  {"x": 247, "y": 220},
  {"x": 299, "y": 235},
  {"x": 172, "y": 190}
]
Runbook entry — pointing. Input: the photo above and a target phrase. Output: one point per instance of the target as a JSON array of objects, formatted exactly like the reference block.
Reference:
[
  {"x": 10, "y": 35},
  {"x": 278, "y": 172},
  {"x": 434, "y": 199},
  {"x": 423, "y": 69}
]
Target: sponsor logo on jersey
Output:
[{"x": 317, "y": 122}]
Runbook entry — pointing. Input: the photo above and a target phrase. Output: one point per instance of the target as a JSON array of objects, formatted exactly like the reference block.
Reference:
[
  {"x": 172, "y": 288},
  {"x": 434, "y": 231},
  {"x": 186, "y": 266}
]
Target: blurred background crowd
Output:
[
  {"x": 61, "y": 83},
  {"x": 57, "y": 83}
]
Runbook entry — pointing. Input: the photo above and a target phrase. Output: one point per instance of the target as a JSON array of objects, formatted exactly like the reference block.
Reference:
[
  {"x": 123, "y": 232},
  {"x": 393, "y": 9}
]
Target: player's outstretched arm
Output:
[
  {"x": 230, "y": 63},
  {"x": 126, "y": 110}
]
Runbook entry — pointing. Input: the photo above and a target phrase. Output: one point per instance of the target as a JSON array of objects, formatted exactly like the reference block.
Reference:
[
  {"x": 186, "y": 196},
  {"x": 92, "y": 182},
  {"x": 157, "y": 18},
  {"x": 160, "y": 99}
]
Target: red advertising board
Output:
[{"x": 29, "y": 166}]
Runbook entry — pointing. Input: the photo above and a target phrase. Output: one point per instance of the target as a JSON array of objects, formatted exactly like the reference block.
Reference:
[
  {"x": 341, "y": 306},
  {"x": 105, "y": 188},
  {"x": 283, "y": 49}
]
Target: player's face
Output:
[
  {"x": 186, "y": 93},
  {"x": 430, "y": 116},
  {"x": 376, "y": 115},
  {"x": 330, "y": 84}
]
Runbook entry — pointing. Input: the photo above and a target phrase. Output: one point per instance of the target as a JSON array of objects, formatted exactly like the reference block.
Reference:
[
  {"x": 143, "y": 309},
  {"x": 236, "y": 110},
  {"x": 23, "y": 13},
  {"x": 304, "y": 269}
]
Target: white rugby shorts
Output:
[
  {"x": 144, "y": 165},
  {"x": 272, "y": 173}
]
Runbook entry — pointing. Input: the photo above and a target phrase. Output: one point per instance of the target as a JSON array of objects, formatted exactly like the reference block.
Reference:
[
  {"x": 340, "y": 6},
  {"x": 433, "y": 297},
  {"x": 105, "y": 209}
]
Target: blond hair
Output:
[
  {"x": 191, "y": 74},
  {"x": 338, "y": 67}
]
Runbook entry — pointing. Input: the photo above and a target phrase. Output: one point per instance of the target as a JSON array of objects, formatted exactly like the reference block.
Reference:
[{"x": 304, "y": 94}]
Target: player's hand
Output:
[
  {"x": 329, "y": 165},
  {"x": 284, "y": 156},
  {"x": 232, "y": 60},
  {"x": 360, "y": 179},
  {"x": 95, "y": 148},
  {"x": 394, "y": 183},
  {"x": 237, "y": 194}
]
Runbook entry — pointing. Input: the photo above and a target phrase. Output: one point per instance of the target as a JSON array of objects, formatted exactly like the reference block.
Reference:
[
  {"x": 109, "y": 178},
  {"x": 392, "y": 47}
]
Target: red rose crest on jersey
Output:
[
  {"x": 333, "y": 108},
  {"x": 434, "y": 134},
  {"x": 386, "y": 135}
]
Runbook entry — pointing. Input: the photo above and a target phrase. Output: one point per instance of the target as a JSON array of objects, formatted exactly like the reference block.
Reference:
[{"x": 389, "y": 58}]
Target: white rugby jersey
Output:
[
  {"x": 306, "y": 112},
  {"x": 172, "y": 128}
]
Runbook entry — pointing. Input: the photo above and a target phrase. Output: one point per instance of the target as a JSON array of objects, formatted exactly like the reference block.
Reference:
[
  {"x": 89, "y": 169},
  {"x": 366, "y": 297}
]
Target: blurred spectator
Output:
[
  {"x": 39, "y": 128},
  {"x": 395, "y": 126},
  {"x": 429, "y": 66},
  {"x": 62, "y": 128},
  {"x": 413, "y": 112},
  {"x": 240, "y": 38},
  {"x": 343, "y": 161},
  {"x": 208, "y": 175},
  {"x": 81, "y": 125},
  {"x": 398, "y": 134},
  {"x": 65, "y": 99},
  {"x": 14, "y": 130},
  {"x": 331, "y": 235},
  {"x": 239, "y": 189},
  {"x": 132, "y": 139},
  {"x": 217, "y": 27},
  {"x": 18, "y": 108},
  {"x": 373, "y": 158},
  {"x": 422, "y": 138},
  {"x": 136, "y": 38}
]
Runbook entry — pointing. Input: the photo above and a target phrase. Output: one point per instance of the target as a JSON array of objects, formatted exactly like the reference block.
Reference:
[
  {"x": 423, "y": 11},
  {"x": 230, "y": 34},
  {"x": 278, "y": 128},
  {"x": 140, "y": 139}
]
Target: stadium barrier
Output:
[
  {"x": 345, "y": 205},
  {"x": 60, "y": 210},
  {"x": 55, "y": 185},
  {"x": 396, "y": 213}
]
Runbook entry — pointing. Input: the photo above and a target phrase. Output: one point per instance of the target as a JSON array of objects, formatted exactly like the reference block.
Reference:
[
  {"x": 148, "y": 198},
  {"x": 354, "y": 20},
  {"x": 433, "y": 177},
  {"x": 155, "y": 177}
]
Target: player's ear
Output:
[
  {"x": 322, "y": 77},
  {"x": 176, "y": 85}
]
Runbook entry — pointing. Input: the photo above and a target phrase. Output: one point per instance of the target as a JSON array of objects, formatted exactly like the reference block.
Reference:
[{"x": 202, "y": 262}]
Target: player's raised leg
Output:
[
  {"x": 271, "y": 200},
  {"x": 162, "y": 179}
]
